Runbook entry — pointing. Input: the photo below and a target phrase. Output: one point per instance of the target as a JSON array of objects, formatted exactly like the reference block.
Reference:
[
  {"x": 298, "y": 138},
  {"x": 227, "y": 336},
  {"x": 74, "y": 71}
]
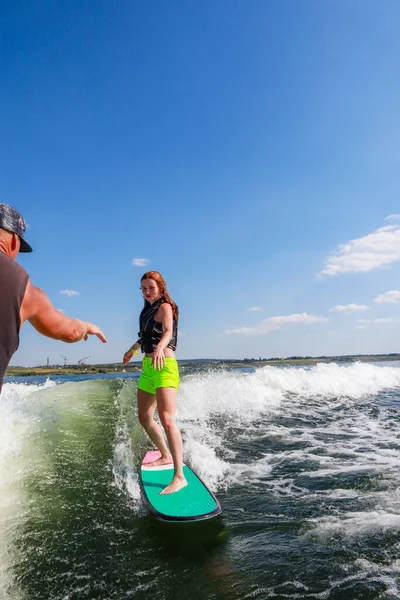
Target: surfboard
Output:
[{"x": 194, "y": 502}]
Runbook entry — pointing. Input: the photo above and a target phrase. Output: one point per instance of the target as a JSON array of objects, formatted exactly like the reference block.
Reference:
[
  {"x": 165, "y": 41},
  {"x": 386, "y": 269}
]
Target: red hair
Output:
[{"x": 159, "y": 279}]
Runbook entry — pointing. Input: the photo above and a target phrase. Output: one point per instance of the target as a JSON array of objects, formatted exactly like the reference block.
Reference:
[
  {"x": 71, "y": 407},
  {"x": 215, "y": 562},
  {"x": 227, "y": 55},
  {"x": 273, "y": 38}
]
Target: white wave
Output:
[
  {"x": 124, "y": 462},
  {"x": 211, "y": 402},
  {"x": 319, "y": 416},
  {"x": 203, "y": 459},
  {"x": 226, "y": 393},
  {"x": 123, "y": 465},
  {"x": 17, "y": 391},
  {"x": 250, "y": 474},
  {"x": 356, "y": 524},
  {"x": 16, "y": 427},
  {"x": 331, "y": 380},
  {"x": 337, "y": 434},
  {"x": 387, "y": 573}
]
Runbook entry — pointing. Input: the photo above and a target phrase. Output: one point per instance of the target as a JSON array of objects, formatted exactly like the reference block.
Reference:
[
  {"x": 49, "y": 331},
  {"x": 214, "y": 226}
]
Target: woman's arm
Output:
[
  {"x": 129, "y": 353},
  {"x": 167, "y": 320}
]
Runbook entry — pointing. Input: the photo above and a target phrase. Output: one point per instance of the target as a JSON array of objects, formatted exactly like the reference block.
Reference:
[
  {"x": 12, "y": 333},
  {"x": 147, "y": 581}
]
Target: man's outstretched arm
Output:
[{"x": 47, "y": 320}]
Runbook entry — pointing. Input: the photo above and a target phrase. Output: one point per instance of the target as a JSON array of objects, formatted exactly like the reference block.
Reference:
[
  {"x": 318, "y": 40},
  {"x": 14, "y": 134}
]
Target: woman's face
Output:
[{"x": 150, "y": 290}]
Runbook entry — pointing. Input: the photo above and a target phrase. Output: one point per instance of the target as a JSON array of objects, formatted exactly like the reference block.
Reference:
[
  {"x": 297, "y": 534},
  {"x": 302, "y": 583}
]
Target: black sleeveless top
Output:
[
  {"x": 13, "y": 281},
  {"x": 151, "y": 331}
]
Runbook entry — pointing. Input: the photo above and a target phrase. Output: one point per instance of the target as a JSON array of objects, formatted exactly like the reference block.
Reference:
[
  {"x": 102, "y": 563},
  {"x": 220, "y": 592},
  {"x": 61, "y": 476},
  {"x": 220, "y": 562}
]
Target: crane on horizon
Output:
[
  {"x": 81, "y": 361},
  {"x": 65, "y": 360}
]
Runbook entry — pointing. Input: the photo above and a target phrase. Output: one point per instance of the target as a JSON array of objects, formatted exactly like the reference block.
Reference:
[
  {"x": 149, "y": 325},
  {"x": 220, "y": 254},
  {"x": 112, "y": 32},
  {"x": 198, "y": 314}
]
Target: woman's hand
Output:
[
  {"x": 158, "y": 361},
  {"x": 127, "y": 356}
]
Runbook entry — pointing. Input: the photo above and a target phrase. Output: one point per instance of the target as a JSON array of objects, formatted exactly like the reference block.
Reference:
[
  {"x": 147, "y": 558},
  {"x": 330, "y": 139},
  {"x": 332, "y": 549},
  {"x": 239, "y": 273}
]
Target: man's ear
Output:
[{"x": 15, "y": 243}]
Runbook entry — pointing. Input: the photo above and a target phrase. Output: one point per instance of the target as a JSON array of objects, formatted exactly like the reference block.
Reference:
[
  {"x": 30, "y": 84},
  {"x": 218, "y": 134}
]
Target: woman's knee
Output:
[
  {"x": 167, "y": 420},
  {"x": 145, "y": 418}
]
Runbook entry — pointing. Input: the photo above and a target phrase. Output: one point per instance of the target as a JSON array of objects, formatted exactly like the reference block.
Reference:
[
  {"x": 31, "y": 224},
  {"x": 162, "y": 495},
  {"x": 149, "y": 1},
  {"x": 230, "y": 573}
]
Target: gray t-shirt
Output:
[{"x": 13, "y": 282}]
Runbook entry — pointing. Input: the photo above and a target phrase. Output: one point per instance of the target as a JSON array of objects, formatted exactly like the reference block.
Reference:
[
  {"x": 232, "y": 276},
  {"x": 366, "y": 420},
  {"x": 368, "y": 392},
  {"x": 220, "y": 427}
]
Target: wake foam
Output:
[
  {"x": 330, "y": 380},
  {"x": 323, "y": 416},
  {"x": 17, "y": 424},
  {"x": 126, "y": 449},
  {"x": 285, "y": 430},
  {"x": 356, "y": 524}
]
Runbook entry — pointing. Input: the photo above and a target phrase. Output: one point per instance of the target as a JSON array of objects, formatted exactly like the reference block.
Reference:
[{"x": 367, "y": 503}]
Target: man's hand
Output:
[
  {"x": 47, "y": 320},
  {"x": 94, "y": 330}
]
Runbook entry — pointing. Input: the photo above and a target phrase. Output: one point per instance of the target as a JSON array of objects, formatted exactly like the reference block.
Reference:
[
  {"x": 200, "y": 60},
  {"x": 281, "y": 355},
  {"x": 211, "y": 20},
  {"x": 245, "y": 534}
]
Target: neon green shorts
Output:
[{"x": 151, "y": 379}]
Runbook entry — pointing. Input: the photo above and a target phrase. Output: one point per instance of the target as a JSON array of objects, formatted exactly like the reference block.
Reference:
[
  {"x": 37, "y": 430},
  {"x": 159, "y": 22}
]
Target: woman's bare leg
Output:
[
  {"x": 146, "y": 407},
  {"x": 166, "y": 406}
]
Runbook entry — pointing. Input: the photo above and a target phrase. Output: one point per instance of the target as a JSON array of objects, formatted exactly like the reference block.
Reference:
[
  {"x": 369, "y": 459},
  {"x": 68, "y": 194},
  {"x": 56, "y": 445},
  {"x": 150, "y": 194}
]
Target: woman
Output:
[{"x": 159, "y": 381}]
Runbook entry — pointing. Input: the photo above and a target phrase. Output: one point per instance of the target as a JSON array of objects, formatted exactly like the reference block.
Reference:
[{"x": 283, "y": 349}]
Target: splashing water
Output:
[{"x": 305, "y": 462}]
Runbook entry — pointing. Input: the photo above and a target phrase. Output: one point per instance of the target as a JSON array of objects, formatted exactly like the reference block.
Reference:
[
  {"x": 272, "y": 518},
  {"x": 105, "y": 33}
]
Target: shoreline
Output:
[{"x": 136, "y": 366}]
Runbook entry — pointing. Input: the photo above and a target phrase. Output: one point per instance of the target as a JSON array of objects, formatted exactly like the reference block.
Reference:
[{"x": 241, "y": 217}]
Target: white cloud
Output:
[
  {"x": 382, "y": 320},
  {"x": 364, "y": 323},
  {"x": 392, "y": 297},
  {"x": 254, "y": 309},
  {"x": 244, "y": 331},
  {"x": 393, "y": 217},
  {"x": 61, "y": 310},
  {"x": 378, "y": 249},
  {"x": 273, "y": 323},
  {"x": 140, "y": 262},
  {"x": 348, "y": 308},
  {"x": 69, "y": 293}
]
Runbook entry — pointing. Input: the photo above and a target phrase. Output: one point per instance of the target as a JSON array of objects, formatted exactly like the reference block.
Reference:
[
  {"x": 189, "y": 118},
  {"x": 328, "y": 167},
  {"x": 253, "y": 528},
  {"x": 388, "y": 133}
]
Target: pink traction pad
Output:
[{"x": 151, "y": 456}]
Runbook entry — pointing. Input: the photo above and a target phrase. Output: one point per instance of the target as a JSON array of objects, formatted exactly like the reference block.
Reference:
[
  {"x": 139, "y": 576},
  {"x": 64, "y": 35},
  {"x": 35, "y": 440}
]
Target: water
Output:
[{"x": 305, "y": 462}]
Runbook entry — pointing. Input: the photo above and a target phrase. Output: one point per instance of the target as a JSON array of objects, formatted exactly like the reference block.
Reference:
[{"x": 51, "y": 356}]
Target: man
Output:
[{"x": 21, "y": 301}]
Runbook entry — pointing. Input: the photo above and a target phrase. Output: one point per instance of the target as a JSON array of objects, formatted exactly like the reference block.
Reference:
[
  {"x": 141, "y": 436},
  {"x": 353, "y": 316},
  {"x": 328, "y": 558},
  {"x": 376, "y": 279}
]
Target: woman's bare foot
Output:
[
  {"x": 163, "y": 460},
  {"x": 176, "y": 484}
]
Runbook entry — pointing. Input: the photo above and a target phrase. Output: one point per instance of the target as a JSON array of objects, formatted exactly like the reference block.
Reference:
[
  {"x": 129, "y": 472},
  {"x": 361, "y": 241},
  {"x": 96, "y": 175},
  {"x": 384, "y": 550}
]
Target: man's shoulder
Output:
[
  {"x": 6, "y": 262},
  {"x": 23, "y": 274},
  {"x": 21, "y": 269}
]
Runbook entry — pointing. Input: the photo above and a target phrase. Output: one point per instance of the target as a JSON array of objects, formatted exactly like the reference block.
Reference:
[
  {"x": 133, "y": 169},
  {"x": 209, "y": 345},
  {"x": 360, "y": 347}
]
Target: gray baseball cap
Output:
[{"x": 13, "y": 221}]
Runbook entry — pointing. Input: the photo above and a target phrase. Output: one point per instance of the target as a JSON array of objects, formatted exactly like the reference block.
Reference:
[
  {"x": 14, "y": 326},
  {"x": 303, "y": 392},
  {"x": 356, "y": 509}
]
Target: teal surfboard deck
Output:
[{"x": 194, "y": 502}]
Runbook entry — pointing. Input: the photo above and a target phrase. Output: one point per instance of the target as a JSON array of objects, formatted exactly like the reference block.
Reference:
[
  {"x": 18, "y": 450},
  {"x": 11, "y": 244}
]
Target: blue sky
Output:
[{"x": 247, "y": 150}]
